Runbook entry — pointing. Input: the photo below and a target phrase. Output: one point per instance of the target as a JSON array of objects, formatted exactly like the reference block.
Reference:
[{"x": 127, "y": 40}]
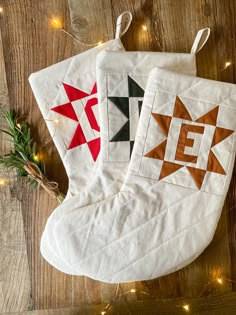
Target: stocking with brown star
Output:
[{"x": 167, "y": 210}]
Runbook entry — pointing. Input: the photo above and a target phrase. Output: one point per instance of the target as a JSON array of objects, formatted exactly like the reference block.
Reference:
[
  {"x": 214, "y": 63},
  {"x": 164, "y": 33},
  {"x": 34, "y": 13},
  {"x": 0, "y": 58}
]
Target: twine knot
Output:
[{"x": 50, "y": 186}]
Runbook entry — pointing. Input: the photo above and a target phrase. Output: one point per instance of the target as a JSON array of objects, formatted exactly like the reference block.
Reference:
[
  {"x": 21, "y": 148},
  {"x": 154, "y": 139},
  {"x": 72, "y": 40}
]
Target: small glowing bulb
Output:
[
  {"x": 18, "y": 125},
  {"x": 186, "y": 307},
  {"x": 132, "y": 290},
  {"x": 56, "y": 22},
  {"x": 100, "y": 43},
  {"x": 219, "y": 280},
  {"x": 36, "y": 158},
  {"x": 2, "y": 182},
  {"x": 1, "y": 9},
  {"x": 227, "y": 64},
  {"x": 56, "y": 121},
  {"x": 144, "y": 27}
]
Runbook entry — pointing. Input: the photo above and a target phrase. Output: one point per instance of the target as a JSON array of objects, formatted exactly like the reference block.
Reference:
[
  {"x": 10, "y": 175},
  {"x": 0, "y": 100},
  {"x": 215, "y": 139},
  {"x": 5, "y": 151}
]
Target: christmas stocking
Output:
[
  {"x": 167, "y": 211},
  {"x": 67, "y": 97},
  {"x": 121, "y": 79}
]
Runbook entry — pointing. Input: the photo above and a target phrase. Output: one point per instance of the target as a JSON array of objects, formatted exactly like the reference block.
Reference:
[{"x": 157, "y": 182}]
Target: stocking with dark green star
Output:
[{"x": 129, "y": 107}]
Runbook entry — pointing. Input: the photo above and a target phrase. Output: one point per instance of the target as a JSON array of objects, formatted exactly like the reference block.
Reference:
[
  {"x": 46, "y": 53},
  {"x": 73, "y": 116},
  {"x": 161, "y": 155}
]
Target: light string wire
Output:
[
  {"x": 185, "y": 307},
  {"x": 56, "y": 23}
]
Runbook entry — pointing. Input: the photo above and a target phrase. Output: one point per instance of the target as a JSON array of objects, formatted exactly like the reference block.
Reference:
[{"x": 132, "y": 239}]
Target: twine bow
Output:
[{"x": 51, "y": 187}]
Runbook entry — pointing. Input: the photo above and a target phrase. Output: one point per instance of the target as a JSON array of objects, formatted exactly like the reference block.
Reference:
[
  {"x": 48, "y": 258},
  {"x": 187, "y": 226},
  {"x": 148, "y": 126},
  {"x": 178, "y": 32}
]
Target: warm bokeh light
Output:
[
  {"x": 103, "y": 313},
  {"x": 144, "y": 27},
  {"x": 56, "y": 22},
  {"x": 36, "y": 158},
  {"x": 2, "y": 182},
  {"x": 1, "y": 10},
  {"x": 132, "y": 290},
  {"x": 186, "y": 307},
  {"x": 227, "y": 64},
  {"x": 219, "y": 280},
  {"x": 56, "y": 121},
  {"x": 100, "y": 43}
]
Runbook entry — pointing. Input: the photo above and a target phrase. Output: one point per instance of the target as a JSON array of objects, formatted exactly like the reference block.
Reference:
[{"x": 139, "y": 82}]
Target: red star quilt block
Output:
[{"x": 87, "y": 122}]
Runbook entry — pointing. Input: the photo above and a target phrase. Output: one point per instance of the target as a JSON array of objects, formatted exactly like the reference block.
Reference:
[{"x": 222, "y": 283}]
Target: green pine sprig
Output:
[{"x": 23, "y": 150}]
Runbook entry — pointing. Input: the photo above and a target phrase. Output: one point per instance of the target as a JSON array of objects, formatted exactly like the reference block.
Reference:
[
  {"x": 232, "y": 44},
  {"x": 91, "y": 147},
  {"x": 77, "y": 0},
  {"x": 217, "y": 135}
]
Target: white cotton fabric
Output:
[
  {"x": 113, "y": 69},
  {"x": 154, "y": 226},
  {"x": 78, "y": 72}
]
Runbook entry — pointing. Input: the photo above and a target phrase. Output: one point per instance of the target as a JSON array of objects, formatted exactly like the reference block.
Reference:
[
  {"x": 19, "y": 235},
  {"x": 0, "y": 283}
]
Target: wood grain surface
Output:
[
  {"x": 15, "y": 286},
  {"x": 216, "y": 305},
  {"x": 30, "y": 44}
]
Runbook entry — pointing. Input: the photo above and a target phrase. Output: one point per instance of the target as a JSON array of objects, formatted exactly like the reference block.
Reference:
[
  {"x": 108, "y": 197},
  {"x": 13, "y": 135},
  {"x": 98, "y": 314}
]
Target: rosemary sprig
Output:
[{"x": 24, "y": 153}]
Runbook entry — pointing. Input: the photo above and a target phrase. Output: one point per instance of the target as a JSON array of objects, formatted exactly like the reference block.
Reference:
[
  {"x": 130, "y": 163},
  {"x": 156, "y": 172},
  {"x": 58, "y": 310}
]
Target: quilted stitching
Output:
[
  {"x": 110, "y": 241},
  {"x": 83, "y": 198}
]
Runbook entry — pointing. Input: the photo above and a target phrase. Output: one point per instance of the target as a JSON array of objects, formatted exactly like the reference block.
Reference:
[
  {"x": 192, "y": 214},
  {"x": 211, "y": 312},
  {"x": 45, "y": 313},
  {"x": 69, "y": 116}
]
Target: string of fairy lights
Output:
[
  {"x": 57, "y": 23},
  {"x": 185, "y": 307}
]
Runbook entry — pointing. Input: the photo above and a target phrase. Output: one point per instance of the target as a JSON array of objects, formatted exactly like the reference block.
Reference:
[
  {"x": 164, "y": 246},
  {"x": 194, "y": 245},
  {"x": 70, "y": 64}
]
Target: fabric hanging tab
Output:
[
  {"x": 125, "y": 18},
  {"x": 200, "y": 40}
]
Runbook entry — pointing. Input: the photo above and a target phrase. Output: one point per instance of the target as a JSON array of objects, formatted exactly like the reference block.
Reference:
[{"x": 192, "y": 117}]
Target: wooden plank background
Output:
[
  {"x": 27, "y": 282},
  {"x": 14, "y": 268},
  {"x": 200, "y": 306}
]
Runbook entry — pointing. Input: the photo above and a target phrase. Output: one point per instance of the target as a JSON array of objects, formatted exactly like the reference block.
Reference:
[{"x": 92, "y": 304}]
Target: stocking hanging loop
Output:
[
  {"x": 200, "y": 40},
  {"x": 123, "y": 23}
]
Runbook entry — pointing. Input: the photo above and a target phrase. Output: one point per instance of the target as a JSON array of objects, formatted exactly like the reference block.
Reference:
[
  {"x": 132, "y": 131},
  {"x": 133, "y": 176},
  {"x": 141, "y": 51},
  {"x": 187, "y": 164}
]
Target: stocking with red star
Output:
[
  {"x": 174, "y": 190},
  {"x": 121, "y": 79},
  {"x": 66, "y": 94}
]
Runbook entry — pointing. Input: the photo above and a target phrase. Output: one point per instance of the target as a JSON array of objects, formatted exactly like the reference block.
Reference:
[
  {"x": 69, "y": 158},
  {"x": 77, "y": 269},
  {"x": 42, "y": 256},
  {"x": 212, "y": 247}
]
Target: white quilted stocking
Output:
[
  {"x": 121, "y": 81},
  {"x": 167, "y": 210},
  {"x": 66, "y": 94}
]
